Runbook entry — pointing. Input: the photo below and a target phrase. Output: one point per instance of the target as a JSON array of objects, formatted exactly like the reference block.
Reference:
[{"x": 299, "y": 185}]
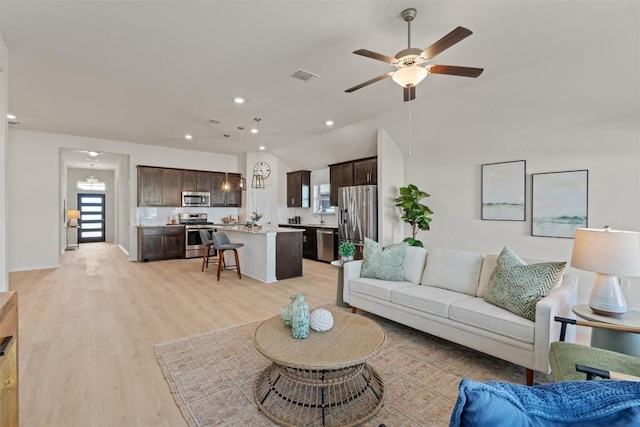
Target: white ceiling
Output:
[{"x": 150, "y": 71}]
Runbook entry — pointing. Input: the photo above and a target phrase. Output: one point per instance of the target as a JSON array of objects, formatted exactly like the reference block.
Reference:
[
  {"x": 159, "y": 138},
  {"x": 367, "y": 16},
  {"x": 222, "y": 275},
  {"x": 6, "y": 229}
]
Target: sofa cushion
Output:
[
  {"x": 566, "y": 404},
  {"x": 479, "y": 313},
  {"x": 375, "y": 287},
  {"x": 383, "y": 263},
  {"x": 427, "y": 299},
  {"x": 414, "y": 261},
  {"x": 517, "y": 286},
  {"x": 489, "y": 264},
  {"x": 454, "y": 270}
]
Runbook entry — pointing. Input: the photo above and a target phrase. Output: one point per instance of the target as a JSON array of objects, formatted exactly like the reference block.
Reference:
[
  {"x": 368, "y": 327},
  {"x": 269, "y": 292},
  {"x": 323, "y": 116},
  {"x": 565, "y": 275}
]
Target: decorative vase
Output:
[
  {"x": 299, "y": 317},
  {"x": 346, "y": 259},
  {"x": 286, "y": 312}
]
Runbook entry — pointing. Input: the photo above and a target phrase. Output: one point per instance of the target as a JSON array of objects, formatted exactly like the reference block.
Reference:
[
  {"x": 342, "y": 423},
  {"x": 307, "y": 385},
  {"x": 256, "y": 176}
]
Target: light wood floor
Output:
[{"x": 87, "y": 330}]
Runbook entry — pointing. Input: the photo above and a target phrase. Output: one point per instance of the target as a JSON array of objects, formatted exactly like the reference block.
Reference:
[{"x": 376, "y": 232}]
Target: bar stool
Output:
[
  {"x": 221, "y": 243},
  {"x": 205, "y": 237}
]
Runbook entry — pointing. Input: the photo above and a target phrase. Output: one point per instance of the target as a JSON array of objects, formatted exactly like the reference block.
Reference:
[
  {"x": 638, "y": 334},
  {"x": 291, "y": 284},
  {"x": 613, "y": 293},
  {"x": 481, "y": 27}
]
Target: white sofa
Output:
[{"x": 442, "y": 295}]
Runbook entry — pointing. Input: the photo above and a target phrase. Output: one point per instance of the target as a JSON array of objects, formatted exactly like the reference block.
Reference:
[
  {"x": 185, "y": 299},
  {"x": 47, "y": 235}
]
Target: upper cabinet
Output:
[
  {"x": 298, "y": 194},
  {"x": 356, "y": 172},
  {"x": 220, "y": 198},
  {"x": 340, "y": 175},
  {"x": 196, "y": 181},
  {"x": 164, "y": 187},
  {"x": 365, "y": 171},
  {"x": 159, "y": 187}
]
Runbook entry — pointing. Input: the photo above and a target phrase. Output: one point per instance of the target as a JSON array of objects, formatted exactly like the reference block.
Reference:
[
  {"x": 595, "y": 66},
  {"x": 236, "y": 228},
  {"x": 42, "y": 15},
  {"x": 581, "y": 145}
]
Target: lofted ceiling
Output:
[{"x": 150, "y": 72}]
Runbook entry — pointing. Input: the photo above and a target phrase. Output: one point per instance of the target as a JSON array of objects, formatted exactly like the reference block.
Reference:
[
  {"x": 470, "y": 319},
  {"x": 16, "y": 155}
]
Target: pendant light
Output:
[
  {"x": 258, "y": 178},
  {"x": 226, "y": 185},
  {"x": 242, "y": 183}
]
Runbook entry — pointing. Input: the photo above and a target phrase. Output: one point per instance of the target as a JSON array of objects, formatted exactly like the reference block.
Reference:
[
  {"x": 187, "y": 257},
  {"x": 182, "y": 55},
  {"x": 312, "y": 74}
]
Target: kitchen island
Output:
[{"x": 269, "y": 254}]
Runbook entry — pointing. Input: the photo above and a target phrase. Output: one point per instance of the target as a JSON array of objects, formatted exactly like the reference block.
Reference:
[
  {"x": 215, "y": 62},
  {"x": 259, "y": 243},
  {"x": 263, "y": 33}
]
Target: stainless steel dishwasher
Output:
[{"x": 324, "y": 243}]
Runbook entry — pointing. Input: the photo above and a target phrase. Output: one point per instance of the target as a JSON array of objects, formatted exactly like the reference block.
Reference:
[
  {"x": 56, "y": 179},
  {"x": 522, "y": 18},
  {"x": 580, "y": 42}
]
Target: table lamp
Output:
[
  {"x": 72, "y": 216},
  {"x": 609, "y": 253}
]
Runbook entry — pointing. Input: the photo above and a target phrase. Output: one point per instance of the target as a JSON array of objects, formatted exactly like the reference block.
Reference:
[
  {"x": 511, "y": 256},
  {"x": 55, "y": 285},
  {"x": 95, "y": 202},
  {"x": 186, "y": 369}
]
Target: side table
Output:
[
  {"x": 339, "y": 291},
  {"x": 620, "y": 342}
]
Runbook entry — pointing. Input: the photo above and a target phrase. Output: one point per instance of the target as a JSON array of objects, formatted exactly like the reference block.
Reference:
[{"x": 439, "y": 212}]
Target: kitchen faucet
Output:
[{"x": 321, "y": 217}]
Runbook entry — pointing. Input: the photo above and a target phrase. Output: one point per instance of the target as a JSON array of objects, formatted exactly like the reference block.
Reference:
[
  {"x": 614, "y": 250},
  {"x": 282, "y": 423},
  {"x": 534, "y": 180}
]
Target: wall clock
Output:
[{"x": 263, "y": 169}]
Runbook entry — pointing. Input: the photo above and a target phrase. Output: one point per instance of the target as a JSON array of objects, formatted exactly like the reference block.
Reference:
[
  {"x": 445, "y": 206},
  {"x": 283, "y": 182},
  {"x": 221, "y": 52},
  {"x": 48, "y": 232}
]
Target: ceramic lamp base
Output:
[{"x": 606, "y": 297}]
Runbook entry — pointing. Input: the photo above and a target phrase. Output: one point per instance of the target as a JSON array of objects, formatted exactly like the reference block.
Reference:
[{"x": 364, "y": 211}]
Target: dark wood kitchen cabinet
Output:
[
  {"x": 298, "y": 191},
  {"x": 365, "y": 171},
  {"x": 196, "y": 181},
  {"x": 220, "y": 198},
  {"x": 310, "y": 243},
  {"x": 340, "y": 175},
  {"x": 159, "y": 186},
  {"x": 156, "y": 243}
]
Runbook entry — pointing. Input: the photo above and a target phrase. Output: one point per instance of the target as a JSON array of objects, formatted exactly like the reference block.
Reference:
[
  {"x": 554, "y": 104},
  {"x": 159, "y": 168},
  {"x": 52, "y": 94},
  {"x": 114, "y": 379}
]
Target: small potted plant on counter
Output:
[
  {"x": 255, "y": 217},
  {"x": 346, "y": 251}
]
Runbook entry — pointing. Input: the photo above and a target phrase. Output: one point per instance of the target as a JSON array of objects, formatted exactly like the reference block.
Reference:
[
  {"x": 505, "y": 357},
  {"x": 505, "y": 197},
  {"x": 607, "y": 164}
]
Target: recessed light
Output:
[
  {"x": 238, "y": 100},
  {"x": 11, "y": 117},
  {"x": 254, "y": 130},
  {"x": 329, "y": 123},
  {"x": 93, "y": 153},
  {"x": 188, "y": 136},
  {"x": 262, "y": 147}
]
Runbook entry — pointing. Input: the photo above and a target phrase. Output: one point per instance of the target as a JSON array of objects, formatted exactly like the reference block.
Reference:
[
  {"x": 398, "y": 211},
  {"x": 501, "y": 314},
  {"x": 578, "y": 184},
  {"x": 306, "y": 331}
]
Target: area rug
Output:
[{"x": 211, "y": 376}]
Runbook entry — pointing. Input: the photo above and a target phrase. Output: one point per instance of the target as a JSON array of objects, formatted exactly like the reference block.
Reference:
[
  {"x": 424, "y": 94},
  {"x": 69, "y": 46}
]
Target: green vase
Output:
[{"x": 299, "y": 317}]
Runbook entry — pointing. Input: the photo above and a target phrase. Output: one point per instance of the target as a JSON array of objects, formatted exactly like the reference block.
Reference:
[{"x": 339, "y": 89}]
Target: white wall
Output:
[
  {"x": 4, "y": 206},
  {"x": 390, "y": 179},
  {"x": 33, "y": 170}
]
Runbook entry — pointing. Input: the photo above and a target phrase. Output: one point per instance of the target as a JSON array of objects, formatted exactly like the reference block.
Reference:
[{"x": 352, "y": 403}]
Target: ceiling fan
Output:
[{"x": 413, "y": 64}]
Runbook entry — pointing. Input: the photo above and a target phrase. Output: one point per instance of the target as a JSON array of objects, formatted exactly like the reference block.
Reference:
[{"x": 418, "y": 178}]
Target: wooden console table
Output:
[{"x": 8, "y": 359}]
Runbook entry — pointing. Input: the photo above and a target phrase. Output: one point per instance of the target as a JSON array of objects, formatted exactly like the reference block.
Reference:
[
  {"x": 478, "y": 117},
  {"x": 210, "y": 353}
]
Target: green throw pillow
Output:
[
  {"x": 383, "y": 263},
  {"x": 517, "y": 286}
]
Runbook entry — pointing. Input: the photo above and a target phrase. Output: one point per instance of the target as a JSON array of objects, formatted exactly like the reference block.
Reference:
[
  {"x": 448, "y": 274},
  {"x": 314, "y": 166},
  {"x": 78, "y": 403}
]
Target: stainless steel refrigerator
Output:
[{"x": 358, "y": 215}]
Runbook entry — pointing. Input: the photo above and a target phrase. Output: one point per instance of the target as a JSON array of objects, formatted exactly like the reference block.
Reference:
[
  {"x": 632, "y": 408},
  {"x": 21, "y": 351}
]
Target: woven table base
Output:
[{"x": 307, "y": 397}]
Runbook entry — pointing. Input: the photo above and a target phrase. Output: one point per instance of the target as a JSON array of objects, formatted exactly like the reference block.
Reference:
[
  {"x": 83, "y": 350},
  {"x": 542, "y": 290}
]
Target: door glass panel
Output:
[
  {"x": 91, "y": 225},
  {"x": 91, "y": 208},
  {"x": 86, "y": 234},
  {"x": 92, "y": 217},
  {"x": 91, "y": 200}
]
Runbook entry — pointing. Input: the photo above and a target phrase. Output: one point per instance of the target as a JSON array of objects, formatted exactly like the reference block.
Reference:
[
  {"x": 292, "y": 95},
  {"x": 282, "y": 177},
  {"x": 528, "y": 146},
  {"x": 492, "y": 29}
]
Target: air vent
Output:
[
  {"x": 304, "y": 76},
  {"x": 14, "y": 122},
  {"x": 213, "y": 122}
]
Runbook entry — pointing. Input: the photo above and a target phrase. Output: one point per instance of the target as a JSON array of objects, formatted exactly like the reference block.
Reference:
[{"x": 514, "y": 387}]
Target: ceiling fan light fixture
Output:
[{"x": 409, "y": 76}]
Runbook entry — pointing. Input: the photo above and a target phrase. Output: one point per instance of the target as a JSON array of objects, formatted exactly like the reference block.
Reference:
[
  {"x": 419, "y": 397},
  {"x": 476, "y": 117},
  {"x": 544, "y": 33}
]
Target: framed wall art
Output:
[
  {"x": 559, "y": 203},
  {"x": 503, "y": 191}
]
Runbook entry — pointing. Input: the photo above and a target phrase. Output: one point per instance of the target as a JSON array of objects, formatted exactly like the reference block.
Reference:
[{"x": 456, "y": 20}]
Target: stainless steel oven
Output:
[{"x": 193, "y": 223}]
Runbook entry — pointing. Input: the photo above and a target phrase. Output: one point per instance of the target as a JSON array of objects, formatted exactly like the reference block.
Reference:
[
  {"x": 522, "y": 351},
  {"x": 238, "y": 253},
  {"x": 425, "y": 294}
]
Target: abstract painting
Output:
[
  {"x": 503, "y": 191},
  {"x": 559, "y": 203}
]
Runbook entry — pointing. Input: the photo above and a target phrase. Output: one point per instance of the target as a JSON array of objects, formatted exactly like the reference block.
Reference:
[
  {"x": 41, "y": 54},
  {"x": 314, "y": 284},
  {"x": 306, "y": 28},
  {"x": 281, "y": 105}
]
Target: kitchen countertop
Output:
[
  {"x": 310, "y": 225},
  {"x": 263, "y": 230},
  {"x": 160, "y": 225}
]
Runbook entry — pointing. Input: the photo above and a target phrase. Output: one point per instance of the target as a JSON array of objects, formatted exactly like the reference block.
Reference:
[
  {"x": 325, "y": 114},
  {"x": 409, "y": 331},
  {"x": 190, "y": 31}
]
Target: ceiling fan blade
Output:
[
  {"x": 368, "y": 82},
  {"x": 409, "y": 93},
  {"x": 458, "y": 34},
  {"x": 375, "y": 55},
  {"x": 455, "y": 71}
]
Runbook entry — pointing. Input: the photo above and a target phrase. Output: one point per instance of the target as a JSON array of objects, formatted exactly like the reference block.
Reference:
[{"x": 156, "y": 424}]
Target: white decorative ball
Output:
[{"x": 321, "y": 320}]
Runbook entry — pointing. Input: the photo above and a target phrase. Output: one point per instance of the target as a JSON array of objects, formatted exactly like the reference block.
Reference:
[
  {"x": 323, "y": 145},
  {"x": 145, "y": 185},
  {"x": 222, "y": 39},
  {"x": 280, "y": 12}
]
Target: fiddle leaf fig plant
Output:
[{"x": 414, "y": 213}]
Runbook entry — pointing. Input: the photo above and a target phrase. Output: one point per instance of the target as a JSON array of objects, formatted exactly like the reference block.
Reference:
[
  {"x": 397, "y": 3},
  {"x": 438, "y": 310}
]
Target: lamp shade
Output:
[
  {"x": 605, "y": 251},
  {"x": 409, "y": 76},
  {"x": 72, "y": 216}
]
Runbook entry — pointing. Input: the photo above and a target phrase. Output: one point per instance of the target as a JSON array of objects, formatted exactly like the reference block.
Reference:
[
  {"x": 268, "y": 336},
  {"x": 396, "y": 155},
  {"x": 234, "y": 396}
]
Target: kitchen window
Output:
[{"x": 321, "y": 202}]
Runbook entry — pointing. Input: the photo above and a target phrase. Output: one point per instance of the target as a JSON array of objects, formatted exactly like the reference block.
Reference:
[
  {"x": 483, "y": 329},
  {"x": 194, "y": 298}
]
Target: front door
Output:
[{"x": 91, "y": 226}]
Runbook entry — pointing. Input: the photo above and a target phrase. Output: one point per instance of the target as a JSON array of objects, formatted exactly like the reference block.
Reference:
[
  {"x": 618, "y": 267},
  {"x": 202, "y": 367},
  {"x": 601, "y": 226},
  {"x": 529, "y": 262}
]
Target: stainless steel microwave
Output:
[{"x": 196, "y": 198}]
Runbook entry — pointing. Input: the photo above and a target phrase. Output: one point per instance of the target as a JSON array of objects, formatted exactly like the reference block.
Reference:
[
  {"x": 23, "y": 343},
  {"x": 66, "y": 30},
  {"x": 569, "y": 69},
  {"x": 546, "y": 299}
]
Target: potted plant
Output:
[
  {"x": 414, "y": 213},
  {"x": 255, "y": 217},
  {"x": 346, "y": 251}
]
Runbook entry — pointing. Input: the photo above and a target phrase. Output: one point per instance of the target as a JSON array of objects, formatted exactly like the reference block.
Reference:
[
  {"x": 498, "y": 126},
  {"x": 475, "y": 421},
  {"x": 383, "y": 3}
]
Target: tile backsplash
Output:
[{"x": 162, "y": 215}]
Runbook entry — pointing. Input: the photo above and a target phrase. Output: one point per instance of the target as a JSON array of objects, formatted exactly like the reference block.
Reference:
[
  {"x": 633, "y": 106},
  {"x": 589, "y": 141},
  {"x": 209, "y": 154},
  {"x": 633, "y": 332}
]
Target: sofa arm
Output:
[
  {"x": 350, "y": 270},
  {"x": 557, "y": 303}
]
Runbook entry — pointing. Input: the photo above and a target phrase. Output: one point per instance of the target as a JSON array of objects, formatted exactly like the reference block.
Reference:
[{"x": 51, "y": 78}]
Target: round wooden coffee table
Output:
[{"x": 323, "y": 379}]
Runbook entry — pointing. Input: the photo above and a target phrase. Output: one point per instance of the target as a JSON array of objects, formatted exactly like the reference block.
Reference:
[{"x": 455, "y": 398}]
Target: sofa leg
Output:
[
  {"x": 529, "y": 376},
  {"x": 353, "y": 309}
]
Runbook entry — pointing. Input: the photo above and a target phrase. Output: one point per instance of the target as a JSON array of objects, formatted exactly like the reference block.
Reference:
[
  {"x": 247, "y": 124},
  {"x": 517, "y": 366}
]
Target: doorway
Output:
[{"x": 91, "y": 226}]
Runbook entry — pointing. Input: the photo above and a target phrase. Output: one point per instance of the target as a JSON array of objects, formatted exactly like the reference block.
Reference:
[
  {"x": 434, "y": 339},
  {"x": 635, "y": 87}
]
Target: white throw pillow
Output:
[
  {"x": 414, "y": 261},
  {"x": 454, "y": 270}
]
